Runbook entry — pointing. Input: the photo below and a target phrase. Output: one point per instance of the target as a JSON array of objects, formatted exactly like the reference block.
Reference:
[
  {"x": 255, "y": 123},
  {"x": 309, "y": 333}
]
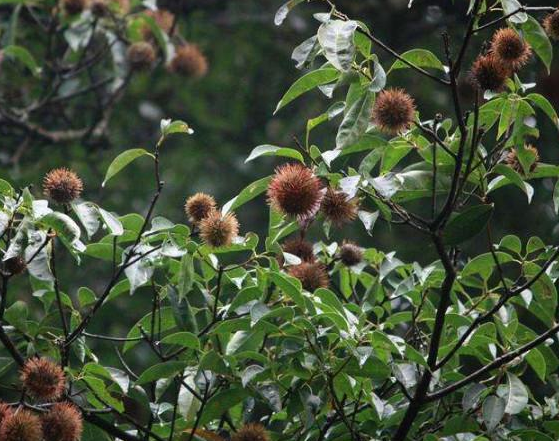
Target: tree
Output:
[
  {"x": 66, "y": 64},
  {"x": 289, "y": 339}
]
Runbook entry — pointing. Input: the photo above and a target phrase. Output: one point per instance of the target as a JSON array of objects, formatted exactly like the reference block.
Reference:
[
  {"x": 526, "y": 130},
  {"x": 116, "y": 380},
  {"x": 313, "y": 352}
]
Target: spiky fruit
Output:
[
  {"x": 163, "y": 18},
  {"x": 299, "y": 247},
  {"x": 489, "y": 73},
  {"x": 393, "y": 111},
  {"x": 5, "y": 412},
  {"x": 219, "y": 230},
  {"x": 313, "y": 275},
  {"x": 21, "y": 425},
  {"x": 73, "y": 7},
  {"x": 512, "y": 160},
  {"x": 63, "y": 422},
  {"x": 510, "y": 48},
  {"x": 350, "y": 254},
  {"x": 99, "y": 8},
  {"x": 62, "y": 185},
  {"x": 295, "y": 190},
  {"x": 251, "y": 432},
  {"x": 15, "y": 265},
  {"x": 198, "y": 207},
  {"x": 43, "y": 379},
  {"x": 189, "y": 61},
  {"x": 338, "y": 207},
  {"x": 140, "y": 55},
  {"x": 551, "y": 25}
]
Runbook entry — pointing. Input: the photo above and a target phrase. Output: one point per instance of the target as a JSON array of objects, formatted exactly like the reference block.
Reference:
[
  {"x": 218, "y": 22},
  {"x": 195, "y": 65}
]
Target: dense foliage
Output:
[{"x": 286, "y": 337}]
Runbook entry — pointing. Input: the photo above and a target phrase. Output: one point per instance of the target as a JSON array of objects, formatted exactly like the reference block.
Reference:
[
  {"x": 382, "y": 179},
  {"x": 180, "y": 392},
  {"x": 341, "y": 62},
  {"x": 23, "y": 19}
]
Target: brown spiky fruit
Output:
[
  {"x": 189, "y": 61},
  {"x": 43, "y": 379},
  {"x": 295, "y": 191},
  {"x": 62, "y": 185},
  {"x": 21, "y": 425},
  {"x": 141, "y": 55},
  {"x": 251, "y": 432},
  {"x": 551, "y": 25},
  {"x": 63, "y": 422},
  {"x": 489, "y": 73},
  {"x": 198, "y": 207},
  {"x": 73, "y": 7},
  {"x": 5, "y": 412},
  {"x": 217, "y": 230},
  {"x": 512, "y": 160},
  {"x": 313, "y": 275},
  {"x": 393, "y": 111},
  {"x": 99, "y": 8},
  {"x": 350, "y": 254},
  {"x": 338, "y": 207},
  {"x": 299, "y": 247},
  {"x": 163, "y": 18},
  {"x": 510, "y": 48},
  {"x": 15, "y": 265}
]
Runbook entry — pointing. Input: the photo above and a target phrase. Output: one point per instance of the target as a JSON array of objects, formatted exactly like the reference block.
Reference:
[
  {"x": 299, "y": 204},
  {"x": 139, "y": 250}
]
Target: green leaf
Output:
[
  {"x": 556, "y": 197},
  {"x": 537, "y": 362},
  {"x": 517, "y": 395},
  {"x": 221, "y": 403},
  {"x": 538, "y": 39},
  {"x": 24, "y": 56},
  {"x": 88, "y": 215},
  {"x": 66, "y": 229},
  {"x": 183, "y": 312},
  {"x": 165, "y": 319},
  {"x": 6, "y": 188},
  {"x": 169, "y": 127},
  {"x": 379, "y": 77},
  {"x": 186, "y": 276},
  {"x": 272, "y": 150},
  {"x": 467, "y": 224},
  {"x": 472, "y": 395},
  {"x": 506, "y": 119},
  {"x": 103, "y": 251},
  {"x": 420, "y": 58},
  {"x": 306, "y": 52},
  {"x": 493, "y": 410},
  {"x": 543, "y": 103},
  {"x": 161, "y": 370},
  {"x": 356, "y": 120},
  {"x": 284, "y": 10},
  {"x": 512, "y": 6},
  {"x": 100, "y": 389},
  {"x": 86, "y": 296},
  {"x": 112, "y": 223},
  {"x": 247, "y": 194},
  {"x": 16, "y": 315},
  {"x": 511, "y": 242},
  {"x": 183, "y": 339},
  {"x": 336, "y": 39},
  {"x": 484, "y": 264},
  {"x": 122, "y": 161},
  {"x": 290, "y": 286},
  {"x": 244, "y": 296},
  {"x": 306, "y": 83},
  {"x": 513, "y": 177}
]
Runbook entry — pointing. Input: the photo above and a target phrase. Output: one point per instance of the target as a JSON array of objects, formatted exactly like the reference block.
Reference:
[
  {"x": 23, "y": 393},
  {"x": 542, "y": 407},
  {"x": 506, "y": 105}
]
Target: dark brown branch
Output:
[
  {"x": 498, "y": 362},
  {"x": 402, "y": 59}
]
